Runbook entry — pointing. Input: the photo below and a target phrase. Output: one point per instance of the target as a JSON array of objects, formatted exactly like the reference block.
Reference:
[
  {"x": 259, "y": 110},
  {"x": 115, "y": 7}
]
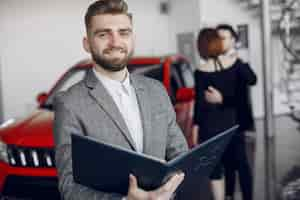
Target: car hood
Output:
[{"x": 33, "y": 131}]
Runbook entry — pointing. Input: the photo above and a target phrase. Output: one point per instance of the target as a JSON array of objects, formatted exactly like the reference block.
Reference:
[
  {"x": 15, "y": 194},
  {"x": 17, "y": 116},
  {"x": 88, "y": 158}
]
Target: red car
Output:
[{"x": 27, "y": 167}]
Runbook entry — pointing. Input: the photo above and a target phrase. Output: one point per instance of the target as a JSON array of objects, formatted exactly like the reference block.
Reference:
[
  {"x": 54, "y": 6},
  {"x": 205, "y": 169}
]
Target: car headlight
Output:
[{"x": 3, "y": 152}]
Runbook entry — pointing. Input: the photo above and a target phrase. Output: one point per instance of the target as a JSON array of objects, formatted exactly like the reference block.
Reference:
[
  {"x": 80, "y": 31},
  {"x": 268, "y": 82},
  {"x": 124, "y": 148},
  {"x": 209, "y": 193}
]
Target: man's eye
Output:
[
  {"x": 102, "y": 35},
  {"x": 125, "y": 33}
]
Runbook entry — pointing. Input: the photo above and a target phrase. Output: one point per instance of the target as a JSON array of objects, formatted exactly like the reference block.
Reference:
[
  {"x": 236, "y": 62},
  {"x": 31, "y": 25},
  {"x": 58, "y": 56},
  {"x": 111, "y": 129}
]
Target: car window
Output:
[
  {"x": 181, "y": 76},
  {"x": 156, "y": 72},
  {"x": 73, "y": 78},
  {"x": 151, "y": 71},
  {"x": 185, "y": 73},
  {"x": 70, "y": 78}
]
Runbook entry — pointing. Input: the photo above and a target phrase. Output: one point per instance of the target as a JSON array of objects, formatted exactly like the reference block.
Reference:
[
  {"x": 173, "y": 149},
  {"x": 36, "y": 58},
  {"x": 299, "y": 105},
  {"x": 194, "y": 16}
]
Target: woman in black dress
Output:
[{"x": 217, "y": 87}]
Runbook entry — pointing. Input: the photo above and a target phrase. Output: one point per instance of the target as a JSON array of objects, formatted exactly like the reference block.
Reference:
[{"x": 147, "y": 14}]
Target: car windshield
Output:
[
  {"x": 151, "y": 71},
  {"x": 77, "y": 74},
  {"x": 70, "y": 78}
]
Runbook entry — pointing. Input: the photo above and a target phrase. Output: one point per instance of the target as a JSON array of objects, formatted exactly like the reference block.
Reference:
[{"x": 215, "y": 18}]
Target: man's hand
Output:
[
  {"x": 213, "y": 96},
  {"x": 165, "y": 192}
]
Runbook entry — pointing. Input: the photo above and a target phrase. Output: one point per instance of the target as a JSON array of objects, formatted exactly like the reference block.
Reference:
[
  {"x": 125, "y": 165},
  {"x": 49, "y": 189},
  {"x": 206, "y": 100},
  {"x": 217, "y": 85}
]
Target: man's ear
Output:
[{"x": 86, "y": 45}]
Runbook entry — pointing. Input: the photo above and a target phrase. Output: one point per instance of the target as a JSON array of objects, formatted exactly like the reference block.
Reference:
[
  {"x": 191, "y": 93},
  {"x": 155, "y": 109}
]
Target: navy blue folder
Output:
[{"x": 106, "y": 167}]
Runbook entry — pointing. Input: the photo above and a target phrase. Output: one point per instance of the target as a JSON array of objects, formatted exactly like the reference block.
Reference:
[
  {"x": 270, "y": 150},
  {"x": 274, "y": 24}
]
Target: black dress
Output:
[{"x": 214, "y": 118}]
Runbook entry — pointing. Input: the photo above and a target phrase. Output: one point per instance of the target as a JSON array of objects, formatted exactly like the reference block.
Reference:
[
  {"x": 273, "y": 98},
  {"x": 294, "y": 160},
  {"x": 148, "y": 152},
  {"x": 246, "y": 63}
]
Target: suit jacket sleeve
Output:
[
  {"x": 65, "y": 122},
  {"x": 247, "y": 75},
  {"x": 176, "y": 142}
]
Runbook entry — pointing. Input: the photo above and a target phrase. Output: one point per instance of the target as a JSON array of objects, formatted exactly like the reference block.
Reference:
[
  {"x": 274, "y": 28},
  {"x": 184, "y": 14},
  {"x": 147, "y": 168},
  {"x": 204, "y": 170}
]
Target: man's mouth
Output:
[{"x": 115, "y": 50}]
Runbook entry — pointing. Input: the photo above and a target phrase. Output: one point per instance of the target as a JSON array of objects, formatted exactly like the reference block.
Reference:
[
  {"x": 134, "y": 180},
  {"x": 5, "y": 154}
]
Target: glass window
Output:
[
  {"x": 70, "y": 78},
  {"x": 186, "y": 74},
  {"x": 151, "y": 71}
]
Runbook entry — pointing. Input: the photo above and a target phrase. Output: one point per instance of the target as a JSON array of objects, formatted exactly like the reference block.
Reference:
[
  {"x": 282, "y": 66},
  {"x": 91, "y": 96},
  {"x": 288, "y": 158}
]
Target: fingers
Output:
[
  {"x": 213, "y": 96},
  {"x": 173, "y": 183},
  {"x": 210, "y": 88},
  {"x": 212, "y": 91},
  {"x": 209, "y": 94},
  {"x": 132, "y": 182}
]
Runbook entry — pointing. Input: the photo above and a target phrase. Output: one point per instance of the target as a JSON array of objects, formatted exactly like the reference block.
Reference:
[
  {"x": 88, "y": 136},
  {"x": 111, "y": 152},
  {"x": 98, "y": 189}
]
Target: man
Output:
[
  {"x": 114, "y": 106},
  {"x": 235, "y": 157},
  {"x": 229, "y": 37}
]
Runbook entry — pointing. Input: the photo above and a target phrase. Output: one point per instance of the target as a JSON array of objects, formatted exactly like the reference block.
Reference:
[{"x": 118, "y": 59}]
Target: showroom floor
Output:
[{"x": 287, "y": 160}]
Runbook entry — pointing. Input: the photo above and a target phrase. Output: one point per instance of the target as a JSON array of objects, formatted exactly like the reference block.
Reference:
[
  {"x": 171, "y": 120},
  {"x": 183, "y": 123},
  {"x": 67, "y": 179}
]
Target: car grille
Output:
[{"x": 31, "y": 157}]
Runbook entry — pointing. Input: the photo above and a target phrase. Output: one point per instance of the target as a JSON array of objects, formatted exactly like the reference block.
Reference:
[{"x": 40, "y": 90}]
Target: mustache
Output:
[{"x": 108, "y": 50}]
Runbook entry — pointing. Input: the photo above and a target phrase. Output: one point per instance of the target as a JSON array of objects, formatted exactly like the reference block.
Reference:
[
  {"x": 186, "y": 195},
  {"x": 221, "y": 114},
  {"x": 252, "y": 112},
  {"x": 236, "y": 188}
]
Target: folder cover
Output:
[{"x": 106, "y": 167}]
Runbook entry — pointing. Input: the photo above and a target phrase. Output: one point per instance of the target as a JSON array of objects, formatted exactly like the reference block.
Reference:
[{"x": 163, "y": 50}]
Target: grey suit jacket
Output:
[{"x": 87, "y": 108}]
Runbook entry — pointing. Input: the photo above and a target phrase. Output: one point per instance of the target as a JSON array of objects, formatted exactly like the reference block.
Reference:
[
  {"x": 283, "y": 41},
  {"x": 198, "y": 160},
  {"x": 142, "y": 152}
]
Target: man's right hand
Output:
[{"x": 165, "y": 192}]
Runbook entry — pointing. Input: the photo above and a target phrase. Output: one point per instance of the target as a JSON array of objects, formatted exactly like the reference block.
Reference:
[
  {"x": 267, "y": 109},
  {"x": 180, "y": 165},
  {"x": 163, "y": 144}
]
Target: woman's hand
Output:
[{"x": 213, "y": 96}]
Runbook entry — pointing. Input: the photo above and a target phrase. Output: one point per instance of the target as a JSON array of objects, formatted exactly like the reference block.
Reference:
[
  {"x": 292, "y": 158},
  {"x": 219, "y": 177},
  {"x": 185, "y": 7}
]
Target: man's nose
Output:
[{"x": 115, "y": 39}]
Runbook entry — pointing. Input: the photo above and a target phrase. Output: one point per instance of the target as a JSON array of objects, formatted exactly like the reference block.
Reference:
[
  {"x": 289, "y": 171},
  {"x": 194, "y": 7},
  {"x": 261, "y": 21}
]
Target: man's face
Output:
[
  {"x": 110, "y": 41},
  {"x": 227, "y": 38}
]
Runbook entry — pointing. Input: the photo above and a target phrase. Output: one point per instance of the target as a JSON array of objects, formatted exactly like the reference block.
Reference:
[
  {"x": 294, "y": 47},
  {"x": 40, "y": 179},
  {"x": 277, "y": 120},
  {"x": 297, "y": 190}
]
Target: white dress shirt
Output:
[{"x": 125, "y": 98}]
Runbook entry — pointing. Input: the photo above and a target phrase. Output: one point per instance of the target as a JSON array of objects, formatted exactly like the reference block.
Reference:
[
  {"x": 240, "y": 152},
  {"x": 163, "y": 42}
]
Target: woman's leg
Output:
[
  {"x": 217, "y": 182},
  {"x": 218, "y": 189}
]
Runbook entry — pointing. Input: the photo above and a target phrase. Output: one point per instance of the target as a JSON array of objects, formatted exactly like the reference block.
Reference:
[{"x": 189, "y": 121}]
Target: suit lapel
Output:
[
  {"x": 106, "y": 102},
  {"x": 145, "y": 111}
]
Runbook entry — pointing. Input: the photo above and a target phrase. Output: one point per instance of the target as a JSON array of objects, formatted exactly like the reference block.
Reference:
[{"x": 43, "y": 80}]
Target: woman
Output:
[{"x": 216, "y": 86}]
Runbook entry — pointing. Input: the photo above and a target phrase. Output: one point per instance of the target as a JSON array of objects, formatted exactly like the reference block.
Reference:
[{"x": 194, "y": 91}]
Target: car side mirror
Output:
[
  {"x": 41, "y": 98},
  {"x": 185, "y": 95}
]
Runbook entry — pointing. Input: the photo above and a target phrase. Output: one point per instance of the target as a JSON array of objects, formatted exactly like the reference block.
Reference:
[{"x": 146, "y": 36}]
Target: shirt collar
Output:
[
  {"x": 126, "y": 82},
  {"x": 113, "y": 85},
  {"x": 231, "y": 52}
]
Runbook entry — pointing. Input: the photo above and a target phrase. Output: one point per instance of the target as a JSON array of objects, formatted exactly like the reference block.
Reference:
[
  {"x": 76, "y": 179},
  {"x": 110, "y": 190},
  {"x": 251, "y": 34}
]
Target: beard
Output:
[{"x": 112, "y": 65}]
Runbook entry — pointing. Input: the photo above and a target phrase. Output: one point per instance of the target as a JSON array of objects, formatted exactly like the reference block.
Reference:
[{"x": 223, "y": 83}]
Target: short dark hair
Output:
[
  {"x": 105, "y": 7},
  {"x": 229, "y": 28},
  {"x": 209, "y": 43}
]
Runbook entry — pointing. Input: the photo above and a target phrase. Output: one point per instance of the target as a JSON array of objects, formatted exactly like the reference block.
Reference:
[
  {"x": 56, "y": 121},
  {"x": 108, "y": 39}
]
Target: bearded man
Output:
[{"x": 115, "y": 107}]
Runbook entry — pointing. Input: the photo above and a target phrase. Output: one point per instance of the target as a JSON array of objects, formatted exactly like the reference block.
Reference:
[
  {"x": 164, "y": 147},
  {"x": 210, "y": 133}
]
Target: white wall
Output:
[
  {"x": 184, "y": 17},
  {"x": 196, "y": 14},
  {"x": 234, "y": 12},
  {"x": 41, "y": 39}
]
